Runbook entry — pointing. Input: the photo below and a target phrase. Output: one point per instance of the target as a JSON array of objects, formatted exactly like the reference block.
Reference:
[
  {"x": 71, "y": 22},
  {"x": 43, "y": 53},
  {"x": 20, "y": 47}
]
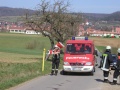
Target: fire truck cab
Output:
[{"x": 79, "y": 55}]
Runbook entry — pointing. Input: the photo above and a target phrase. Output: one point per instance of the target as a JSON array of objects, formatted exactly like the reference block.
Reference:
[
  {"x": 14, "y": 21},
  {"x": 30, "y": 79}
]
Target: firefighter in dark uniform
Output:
[
  {"x": 117, "y": 69},
  {"x": 106, "y": 60},
  {"x": 55, "y": 60}
]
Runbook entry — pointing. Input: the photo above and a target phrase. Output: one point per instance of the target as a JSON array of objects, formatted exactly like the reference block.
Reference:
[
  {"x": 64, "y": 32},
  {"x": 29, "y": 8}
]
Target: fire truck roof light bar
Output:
[{"x": 79, "y": 38}]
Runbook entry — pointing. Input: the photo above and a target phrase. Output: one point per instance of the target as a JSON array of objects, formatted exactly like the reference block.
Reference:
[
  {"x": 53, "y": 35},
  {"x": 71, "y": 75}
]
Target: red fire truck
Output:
[{"x": 79, "y": 55}]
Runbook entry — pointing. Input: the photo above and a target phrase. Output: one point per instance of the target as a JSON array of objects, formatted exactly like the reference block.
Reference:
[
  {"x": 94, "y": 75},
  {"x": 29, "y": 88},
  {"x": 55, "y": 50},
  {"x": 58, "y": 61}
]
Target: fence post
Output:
[{"x": 43, "y": 59}]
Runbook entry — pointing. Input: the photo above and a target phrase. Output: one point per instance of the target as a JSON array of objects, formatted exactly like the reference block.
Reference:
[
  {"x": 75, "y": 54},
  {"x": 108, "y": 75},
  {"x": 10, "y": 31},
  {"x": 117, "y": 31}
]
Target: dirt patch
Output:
[
  {"x": 22, "y": 61},
  {"x": 114, "y": 42},
  {"x": 18, "y": 58}
]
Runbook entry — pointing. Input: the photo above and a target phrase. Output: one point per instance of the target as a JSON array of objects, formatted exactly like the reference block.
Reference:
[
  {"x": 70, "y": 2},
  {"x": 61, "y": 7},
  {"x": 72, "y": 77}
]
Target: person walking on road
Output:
[
  {"x": 117, "y": 69},
  {"x": 106, "y": 60},
  {"x": 55, "y": 60}
]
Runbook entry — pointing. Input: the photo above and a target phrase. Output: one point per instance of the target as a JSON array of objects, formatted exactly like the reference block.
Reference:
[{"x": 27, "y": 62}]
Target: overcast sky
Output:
[{"x": 87, "y": 6}]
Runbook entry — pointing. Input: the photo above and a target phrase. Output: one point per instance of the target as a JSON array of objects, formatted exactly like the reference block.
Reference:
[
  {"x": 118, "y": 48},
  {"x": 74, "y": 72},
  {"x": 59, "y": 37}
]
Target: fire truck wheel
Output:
[
  {"x": 63, "y": 72},
  {"x": 92, "y": 72},
  {"x": 94, "y": 69}
]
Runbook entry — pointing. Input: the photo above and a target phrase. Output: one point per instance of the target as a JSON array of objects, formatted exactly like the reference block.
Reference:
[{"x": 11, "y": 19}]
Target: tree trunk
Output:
[
  {"x": 52, "y": 46},
  {"x": 51, "y": 42}
]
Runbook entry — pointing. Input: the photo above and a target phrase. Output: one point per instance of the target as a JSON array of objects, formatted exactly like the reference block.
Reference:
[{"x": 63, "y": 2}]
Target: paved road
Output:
[{"x": 64, "y": 82}]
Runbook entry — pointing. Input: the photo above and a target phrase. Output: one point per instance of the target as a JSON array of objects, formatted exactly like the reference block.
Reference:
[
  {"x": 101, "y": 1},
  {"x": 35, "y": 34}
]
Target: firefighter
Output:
[
  {"x": 117, "y": 69},
  {"x": 55, "y": 60},
  {"x": 106, "y": 60}
]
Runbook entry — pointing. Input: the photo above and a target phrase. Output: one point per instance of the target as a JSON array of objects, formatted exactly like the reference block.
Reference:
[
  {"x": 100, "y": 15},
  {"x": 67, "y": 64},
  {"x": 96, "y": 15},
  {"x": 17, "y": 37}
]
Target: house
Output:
[
  {"x": 28, "y": 31},
  {"x": 117, "y": 29},
  {"x": 20, "y": 29},
  {"x": 15, "y": 29},
  {"x": 92, "y": 32}
]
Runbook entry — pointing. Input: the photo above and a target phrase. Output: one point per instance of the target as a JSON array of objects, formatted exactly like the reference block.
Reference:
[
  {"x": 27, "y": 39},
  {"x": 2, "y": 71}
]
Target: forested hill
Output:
[
  {"x": 7, "y": 11},
  {"x": 113, "y": 17}
]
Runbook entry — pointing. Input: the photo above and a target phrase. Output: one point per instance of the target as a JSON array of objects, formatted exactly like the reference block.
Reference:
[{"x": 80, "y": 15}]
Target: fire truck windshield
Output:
[{"x": 79, "y": 48}]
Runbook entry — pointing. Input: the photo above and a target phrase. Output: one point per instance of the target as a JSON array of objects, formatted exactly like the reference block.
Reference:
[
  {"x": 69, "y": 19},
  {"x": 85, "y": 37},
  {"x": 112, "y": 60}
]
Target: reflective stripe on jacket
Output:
[{"x": 106, "y": 59}]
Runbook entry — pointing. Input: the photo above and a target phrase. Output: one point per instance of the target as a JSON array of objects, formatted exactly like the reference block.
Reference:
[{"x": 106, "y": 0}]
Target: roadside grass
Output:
[{"x": 14, "y": 73}]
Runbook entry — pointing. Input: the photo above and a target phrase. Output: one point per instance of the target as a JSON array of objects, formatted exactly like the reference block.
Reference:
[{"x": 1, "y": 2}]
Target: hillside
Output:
[
  {"x": 96, "y": 15},
  {"x": 113, "y": 17},
  {"x": 7, "y": 11}
]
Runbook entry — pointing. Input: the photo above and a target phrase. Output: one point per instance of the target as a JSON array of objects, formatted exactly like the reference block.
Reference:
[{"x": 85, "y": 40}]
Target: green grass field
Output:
[
  {"x": 21, "y": 58},
  {"x": 23, "y": 44}
]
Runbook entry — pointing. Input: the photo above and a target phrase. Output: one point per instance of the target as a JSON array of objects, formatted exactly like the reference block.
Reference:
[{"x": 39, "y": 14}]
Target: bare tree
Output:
[{"x": 54, "y": 21}]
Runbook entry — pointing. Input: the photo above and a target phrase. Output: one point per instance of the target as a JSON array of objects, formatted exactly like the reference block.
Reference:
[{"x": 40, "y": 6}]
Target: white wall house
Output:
[
  {"x": 31, "y": 32},
  {"x": 18, "y": 29},
  {"x": 15, "y": 30}
]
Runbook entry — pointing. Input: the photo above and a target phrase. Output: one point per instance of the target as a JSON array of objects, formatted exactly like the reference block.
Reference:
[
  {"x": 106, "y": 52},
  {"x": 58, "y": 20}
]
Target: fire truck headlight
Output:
[
  {"x": 88, "y": 63},
  {"x": 66, "y": 63},
  {"x": 114, "y": 63}
]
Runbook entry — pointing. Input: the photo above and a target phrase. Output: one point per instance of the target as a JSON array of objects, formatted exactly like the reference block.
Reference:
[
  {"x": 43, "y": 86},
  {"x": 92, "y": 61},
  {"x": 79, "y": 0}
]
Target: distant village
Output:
[{"x": 19, "y": 27}]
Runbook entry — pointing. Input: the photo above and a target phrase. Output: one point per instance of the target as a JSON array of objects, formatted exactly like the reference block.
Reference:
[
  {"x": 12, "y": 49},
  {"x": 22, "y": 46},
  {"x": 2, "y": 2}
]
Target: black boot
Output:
[
  {"x": 56, "y": 71},
  {"x": 52, "y": 72},
  {"x": 99, "y": 66},
  {"x": 114, "y": 82},
  {"x": 106, "y": 81}
]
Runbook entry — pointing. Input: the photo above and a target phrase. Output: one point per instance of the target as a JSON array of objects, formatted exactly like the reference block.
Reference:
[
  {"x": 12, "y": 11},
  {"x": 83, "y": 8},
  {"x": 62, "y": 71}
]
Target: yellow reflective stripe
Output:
[{"x": 104, "y": 54}]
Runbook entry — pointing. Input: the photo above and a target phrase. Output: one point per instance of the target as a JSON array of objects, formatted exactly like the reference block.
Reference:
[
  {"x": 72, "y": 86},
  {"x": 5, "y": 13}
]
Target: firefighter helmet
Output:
[
  {"x": 118, "y": 50},
  {"x": 108, "y": 47}
]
